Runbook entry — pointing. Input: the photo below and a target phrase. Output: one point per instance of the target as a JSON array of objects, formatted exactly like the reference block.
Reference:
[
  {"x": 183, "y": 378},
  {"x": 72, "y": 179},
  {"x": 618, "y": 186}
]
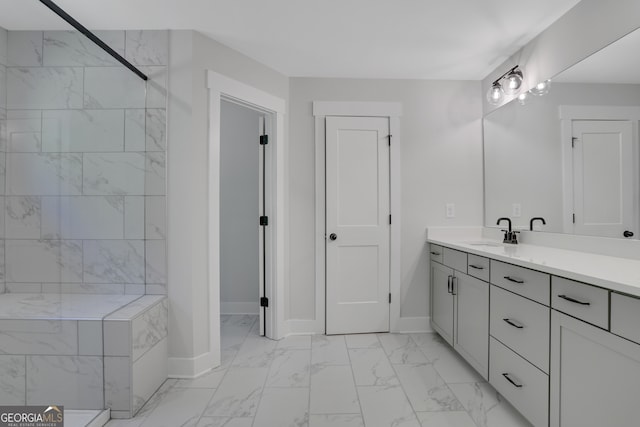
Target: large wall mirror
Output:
[{"x": 572, "y": 155}]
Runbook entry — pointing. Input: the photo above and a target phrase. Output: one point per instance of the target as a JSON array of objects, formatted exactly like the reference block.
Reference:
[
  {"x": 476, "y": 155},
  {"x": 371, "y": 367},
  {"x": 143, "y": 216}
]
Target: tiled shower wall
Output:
[{"x": 82, "y": 150}]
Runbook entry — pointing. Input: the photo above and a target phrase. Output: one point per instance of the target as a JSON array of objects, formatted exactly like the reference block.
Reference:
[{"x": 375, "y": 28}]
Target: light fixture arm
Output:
[{"x": 497, "y": 81}]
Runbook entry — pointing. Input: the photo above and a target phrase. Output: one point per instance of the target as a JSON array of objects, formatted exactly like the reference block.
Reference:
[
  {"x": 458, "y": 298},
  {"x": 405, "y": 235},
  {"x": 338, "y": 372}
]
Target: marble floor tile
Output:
[
  {"x": 362, "y": 341},
  {"x": 371, "y": 367},
  {"x": 425, "y": 389},
  {"x": 295, "y": 342},
  {"x": 445, "y": 419},
  {"x": 336, "y": 420},
  {"x": 386, "y": 406},
  {"x": 486, "y": 407},
  {"x": 238, "y": 394},
  {"x": 255, "y": 352},
  {"x": 290, "y": 368},
  {"x": 329, "y": 350},
  {"x": 225, "y": 422},
  {"x": 449, "y": 364},
  {"x": 333, "y": 390},
  {"x": 179, "y": 407},
  {"x": 401, "y": 349},
  {"x": 283, "y": 407}
]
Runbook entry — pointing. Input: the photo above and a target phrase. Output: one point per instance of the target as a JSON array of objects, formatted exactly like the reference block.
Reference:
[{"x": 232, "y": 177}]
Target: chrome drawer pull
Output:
[
  {"x": 514, "y": 324},
  {"x": 477, "y": 267},
  {"x": 511, "y": 279},
  {"x": 508, "y": 377},
  {"x": 435, "y": 253},
  {"x": 564, "y": 297}
]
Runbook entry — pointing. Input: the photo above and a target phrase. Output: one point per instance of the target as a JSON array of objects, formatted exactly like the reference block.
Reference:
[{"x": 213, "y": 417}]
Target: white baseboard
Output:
[
  {"x": 192, "y": 367},
  {"x": 250, "y": 307},
  {"x": 304, "y": 327},
  {"x": 414, "y": 325}
]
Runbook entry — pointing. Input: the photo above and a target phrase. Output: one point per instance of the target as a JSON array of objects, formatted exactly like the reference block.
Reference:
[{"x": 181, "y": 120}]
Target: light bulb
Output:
[
  {"x": 494, "y": 95},
  {"x": 523, "y": 97},
  {"x": 514, "y": 82},
  {"x": 541, "y": 88}
]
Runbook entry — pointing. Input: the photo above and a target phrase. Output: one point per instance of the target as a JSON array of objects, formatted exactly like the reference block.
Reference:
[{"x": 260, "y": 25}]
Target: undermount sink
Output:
[{"x": 488, "y": 243}]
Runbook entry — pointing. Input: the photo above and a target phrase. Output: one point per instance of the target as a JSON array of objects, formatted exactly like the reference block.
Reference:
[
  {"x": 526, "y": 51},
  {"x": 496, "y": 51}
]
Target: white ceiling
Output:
[
  {"x": 617, "y": 63},
  {"x": 422, "y": 39}
]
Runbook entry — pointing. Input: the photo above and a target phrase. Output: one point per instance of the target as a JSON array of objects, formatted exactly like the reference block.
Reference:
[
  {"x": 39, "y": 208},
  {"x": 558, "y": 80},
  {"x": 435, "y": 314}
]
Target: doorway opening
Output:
[
  {"x": 244, "y": 215},
  {"x": 273, "y": 109}
]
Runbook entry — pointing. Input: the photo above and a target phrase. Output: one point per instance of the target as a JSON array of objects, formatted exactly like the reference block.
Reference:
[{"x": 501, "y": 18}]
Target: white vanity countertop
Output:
[{"x": 617, "y": 274}]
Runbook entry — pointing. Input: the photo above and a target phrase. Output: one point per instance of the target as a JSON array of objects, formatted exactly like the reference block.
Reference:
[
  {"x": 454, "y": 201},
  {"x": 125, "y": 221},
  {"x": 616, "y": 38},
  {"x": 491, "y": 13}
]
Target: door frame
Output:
[
  {"x": 392, "y": 111},
  {"x": 570, "y": 113},
  {"x": 223, "y": 87}
]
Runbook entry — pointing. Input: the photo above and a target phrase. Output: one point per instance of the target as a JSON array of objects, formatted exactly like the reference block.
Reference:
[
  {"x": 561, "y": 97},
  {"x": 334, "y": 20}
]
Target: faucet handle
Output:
[{"x": 514, "y": 237}]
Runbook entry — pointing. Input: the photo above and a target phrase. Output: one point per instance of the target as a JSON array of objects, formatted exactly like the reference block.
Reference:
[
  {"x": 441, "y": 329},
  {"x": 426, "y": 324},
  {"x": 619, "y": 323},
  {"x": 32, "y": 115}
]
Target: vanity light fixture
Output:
[{"x": 511, "y": 85}]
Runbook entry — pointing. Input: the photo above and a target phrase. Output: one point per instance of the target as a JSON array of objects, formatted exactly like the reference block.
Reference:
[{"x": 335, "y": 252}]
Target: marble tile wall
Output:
[
  {"x": 135, "y": 349},
  {"x": 82, "y": 163},
  {"x": 4, "y": 36}
]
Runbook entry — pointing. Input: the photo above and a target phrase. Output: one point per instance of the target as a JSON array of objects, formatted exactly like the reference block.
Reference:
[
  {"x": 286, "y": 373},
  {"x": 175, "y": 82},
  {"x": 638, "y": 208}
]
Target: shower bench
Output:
[{"x": 83, "y": 351}]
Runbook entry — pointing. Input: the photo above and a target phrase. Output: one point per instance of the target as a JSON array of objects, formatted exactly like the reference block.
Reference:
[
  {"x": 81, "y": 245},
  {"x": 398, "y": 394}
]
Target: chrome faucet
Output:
[
  {"x": 509, "y": 235},
  {"x": 536, "y": 218}
]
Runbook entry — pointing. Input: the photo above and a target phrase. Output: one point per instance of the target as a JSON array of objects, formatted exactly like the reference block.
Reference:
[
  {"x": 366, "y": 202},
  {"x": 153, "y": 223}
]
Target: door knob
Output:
[
  {"x": 333, "y": 236},
  {"x": 627, "y": 233}
]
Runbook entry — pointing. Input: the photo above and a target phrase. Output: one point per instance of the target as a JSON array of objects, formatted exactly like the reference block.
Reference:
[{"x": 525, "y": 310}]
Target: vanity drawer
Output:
[
  {"x": 436, "y": 252},
  {"x": 522, "y": 325},
  {"x": 522, "y": 384},
  {"x": 580, "y": 300},
  {"x": 455, "y": 259},
  {"x": 528, "y": 283},
  {"x": 625, "y": 316},
  {"x": 478, "y": 266}
]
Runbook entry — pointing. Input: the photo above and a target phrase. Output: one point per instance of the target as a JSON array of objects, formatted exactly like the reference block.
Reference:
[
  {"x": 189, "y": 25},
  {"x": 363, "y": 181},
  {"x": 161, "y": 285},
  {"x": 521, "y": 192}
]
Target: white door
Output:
[
  {"x": 357, "y": 228},
  {"x": 603, "y": 186}
]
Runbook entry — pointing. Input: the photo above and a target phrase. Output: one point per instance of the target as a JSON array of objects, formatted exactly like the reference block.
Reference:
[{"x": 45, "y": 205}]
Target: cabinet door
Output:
[
  {"x": 441, "y": 301},
  {"x": 472, "y": 326},
  {"x": 595, "y": 376}
]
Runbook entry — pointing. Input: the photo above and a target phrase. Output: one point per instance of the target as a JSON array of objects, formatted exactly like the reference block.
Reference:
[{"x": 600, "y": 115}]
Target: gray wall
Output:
[
  {"x": 441, "y": 163},
  {"x": 239, "y": 209},
  {"x": 192, "y": 54}
]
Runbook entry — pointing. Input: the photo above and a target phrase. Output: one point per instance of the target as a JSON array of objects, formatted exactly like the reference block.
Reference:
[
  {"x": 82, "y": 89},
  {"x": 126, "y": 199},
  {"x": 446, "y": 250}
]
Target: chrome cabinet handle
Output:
[
  {"x": 511, "y": 279},
  {"x": 435, "y": 253},
  {"x": 454, "y": 285},
  {"x": 508, "y": 377},
  {"x": 477, "y": 267},
  {"x": 564, "y": 297},
  {"x": 449, "y": 281},
  {"x": 514, "y": 324}
]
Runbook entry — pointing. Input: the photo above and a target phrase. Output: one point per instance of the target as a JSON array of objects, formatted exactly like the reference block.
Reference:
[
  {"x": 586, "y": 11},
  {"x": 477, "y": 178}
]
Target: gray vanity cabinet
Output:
[
  {"x": 442, "y": 301},
  {"x": 460, "y": 308},
  {"x": 595, "y": 377}
]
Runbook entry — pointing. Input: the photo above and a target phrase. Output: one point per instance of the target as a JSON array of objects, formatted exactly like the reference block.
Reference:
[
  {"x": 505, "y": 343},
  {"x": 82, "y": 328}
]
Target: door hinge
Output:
[
  {"x": 264, "y": 220},
  {"x": 573, "y": 218},
  {"x": 389, "y": 139},
  {"x": 389, "y": 297},
  {"x": 264, "y": 302},
  {"x": 573, "y": 142},
  {"x": 264, "y": 139},
  {"x": 389, "y": 219}
]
